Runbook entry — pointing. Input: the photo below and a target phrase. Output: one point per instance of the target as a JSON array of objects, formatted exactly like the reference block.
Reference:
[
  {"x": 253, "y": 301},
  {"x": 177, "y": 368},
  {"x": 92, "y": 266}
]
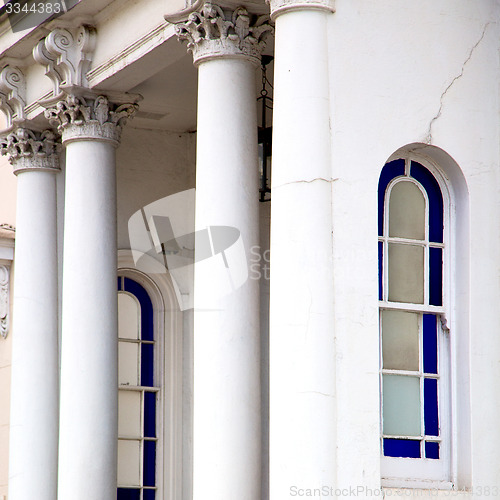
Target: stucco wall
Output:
[
  {"x": 7, "y": 216},
  {"x": 403, "y": 73}
]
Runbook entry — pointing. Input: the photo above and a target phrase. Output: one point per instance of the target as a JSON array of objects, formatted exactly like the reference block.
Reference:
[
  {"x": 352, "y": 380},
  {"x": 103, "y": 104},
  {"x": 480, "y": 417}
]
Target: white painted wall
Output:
[
  {"x": 8, "y": 182},
  {"x": 400, "y": 73},
  {"x": 405, "y": 73}
]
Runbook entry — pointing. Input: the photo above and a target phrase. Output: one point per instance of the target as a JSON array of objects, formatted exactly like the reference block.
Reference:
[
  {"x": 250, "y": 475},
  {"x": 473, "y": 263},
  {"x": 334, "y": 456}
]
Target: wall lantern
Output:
[{"x": 265, "y": 135}]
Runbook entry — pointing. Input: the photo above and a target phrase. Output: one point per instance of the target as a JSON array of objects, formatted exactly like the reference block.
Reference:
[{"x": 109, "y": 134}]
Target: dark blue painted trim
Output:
[
  {"x": 431, "y": 186},
  {"x": 134, "y": 288},
  {"x": 390, "y": 171}
]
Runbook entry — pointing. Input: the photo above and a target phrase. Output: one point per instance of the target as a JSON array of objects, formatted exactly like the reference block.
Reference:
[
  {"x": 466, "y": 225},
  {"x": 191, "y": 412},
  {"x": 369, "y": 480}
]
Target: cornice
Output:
[{"x": 131, "y": 53}]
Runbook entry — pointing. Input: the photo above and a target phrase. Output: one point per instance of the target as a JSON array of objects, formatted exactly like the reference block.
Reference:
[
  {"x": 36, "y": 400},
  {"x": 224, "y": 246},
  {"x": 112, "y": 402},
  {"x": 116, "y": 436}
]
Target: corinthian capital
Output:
[
  {"x": 12, "y": 94},
  {"x": 29, "y": 150},
  {"x": 215, "y": 33},
  {"x": 66, "y": 55},
  {"x": 79, "y": 118}
]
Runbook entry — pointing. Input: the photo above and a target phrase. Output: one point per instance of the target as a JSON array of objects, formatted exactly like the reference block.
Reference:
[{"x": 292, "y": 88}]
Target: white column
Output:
[
  {"x": 89, "y": 360},
  {"x": 302, "y": 334},
  {"x": 227, "y": 400},
  {"x": 34, "y": 388}
]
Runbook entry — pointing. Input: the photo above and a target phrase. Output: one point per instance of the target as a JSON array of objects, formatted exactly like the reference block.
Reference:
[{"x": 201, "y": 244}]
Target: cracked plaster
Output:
[{"x": 428, "y": 138}]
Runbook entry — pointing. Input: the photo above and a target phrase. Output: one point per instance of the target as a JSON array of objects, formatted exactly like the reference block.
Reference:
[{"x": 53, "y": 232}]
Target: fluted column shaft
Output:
[
  {"x": 34, "y": 387},
  {"x": 227, "y": 400},
  {"x": 89, "y": 353},
  {"x": 302, "y": 330}
]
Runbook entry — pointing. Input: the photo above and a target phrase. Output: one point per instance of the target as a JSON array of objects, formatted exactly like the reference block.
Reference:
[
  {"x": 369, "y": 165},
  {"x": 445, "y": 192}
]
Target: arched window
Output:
[
  {"x": 414, "y": 341},
  {"x": 138, "y": 393}
]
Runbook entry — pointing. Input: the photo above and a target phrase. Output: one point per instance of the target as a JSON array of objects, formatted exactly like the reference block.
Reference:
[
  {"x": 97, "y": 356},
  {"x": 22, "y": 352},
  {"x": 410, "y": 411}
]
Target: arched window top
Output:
[{"x": 407, "y": 203}]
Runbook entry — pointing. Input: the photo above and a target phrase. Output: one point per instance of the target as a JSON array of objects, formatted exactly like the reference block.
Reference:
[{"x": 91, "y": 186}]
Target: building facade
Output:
[{"x": 168, "y": 332}]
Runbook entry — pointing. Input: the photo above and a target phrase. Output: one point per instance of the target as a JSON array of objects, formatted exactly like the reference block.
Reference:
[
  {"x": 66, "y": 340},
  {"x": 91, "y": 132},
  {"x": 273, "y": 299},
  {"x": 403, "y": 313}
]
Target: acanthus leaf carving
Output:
[
  {"x": 12, "y": 94},
  {"x": 79, "y": 117},
  {"x": 210, "y": 33},
  {"x": 29, "y": 150}
]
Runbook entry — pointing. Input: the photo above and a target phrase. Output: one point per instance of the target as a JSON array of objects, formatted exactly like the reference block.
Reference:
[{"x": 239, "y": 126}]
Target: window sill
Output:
[{"x": 417, "y": 484}]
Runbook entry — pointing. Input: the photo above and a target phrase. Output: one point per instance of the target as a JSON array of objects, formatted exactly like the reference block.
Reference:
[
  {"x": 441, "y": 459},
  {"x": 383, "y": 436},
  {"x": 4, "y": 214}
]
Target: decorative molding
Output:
[
  {"x": 281, "y": 6},
  {"x": 133, "y": 52},
  {"x": 80, "y": 118},
  {"x": 213, "y": 33},
  {"x": 66, "y": 55},
  {"x": 28, "y": 150},
  {"x": 4, "y": 300},
  {"x": 180, "y": 15},
  {"x": 12, "y": 94}
]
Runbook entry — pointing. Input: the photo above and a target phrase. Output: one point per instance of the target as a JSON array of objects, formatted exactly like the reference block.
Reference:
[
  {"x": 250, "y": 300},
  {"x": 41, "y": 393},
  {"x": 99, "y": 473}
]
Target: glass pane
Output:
[
  {"x": 402, "y": 448},
  {"x": 431, "y": 186},
  {"x": 430, "y": 343},
  {"x": 436, "y": 276},
  {"x": 149, "y": 414},
  {"x": 400, "y": 340},
  {"x": 432, "y": 450},
  {"x": 146, "y": 307},
  {"x": 407, "y": 211},
  {"x": 127, "y": 363},
  {"x": 128, "y": 494},
  {"x": 401, "y": 405},
  {"x": 392, "y": 169},
  {"x": 149, "y": 463},
  {"x": 431, "y": 422},
  {"x": 128, "y": 317},
  {"x": 147, "y": 367},
  {"x": 149, "y": 495},
  {"x": 380, "y": 270},
  {"x": 406, "y": 273},
  {"x": 129, "y": 463},
  {"x": 129, "y": 413}
]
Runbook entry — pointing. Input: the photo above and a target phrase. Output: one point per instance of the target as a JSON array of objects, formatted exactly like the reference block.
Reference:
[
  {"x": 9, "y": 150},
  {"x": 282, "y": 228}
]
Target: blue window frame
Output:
[{"x": 138, "y": 394}]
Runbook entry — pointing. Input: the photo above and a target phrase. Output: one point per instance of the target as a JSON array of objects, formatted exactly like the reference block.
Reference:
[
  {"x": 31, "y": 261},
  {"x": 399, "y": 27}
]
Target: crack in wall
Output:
[
  {"x": 428, "y": 139},
  {"x": 308, "y": 182}
]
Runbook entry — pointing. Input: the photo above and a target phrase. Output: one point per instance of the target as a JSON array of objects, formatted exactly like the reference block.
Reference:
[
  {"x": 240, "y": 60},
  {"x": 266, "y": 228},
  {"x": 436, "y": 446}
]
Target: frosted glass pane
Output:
[
  {"x": 401, "y": 405},
  {"x": 128, "y": 317},
  {"x": 406, "y": 273},
  {"x": 129, "y": 463},
  {"x": 400, "y": 346},
  {"x": 128, "y": 363},
  {"x": 129, "y": 413},
  {"x": 407, "y": 211}
]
